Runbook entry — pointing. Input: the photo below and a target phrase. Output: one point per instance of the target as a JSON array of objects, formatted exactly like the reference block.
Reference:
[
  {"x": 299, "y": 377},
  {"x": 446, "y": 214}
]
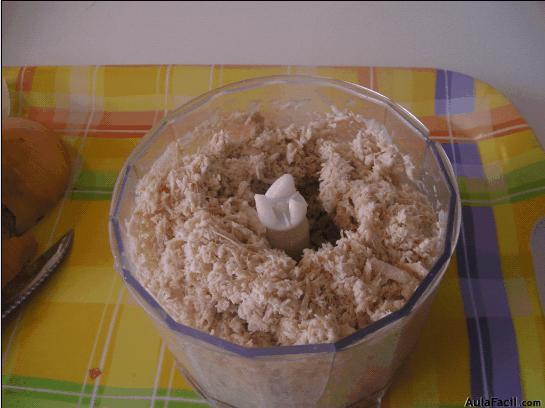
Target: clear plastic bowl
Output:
[{"x": 356, "y": 369}]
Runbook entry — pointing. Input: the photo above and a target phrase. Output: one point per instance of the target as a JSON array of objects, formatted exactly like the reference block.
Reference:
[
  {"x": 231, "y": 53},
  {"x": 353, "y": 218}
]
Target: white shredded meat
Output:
[{"x": 198, "y": 246}]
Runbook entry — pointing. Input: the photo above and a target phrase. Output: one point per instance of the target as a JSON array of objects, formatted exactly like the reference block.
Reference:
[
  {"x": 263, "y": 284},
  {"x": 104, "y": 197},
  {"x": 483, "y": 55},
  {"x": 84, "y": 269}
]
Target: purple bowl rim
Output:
[{"x": 251, "y": 352}]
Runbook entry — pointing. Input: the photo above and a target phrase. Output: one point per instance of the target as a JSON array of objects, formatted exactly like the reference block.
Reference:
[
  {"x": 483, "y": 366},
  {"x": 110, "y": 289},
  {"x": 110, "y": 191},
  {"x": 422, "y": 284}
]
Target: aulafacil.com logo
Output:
[{"x": 500, "y": 402}]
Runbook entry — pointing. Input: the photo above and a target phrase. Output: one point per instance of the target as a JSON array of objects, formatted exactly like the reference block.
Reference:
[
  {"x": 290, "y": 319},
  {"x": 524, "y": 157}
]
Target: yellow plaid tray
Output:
[{"x": 81, "y": 341}]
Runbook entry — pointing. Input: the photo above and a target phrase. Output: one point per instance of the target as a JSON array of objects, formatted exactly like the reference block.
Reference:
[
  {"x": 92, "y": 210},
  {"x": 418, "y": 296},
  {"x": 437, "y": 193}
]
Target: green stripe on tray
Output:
[
  {"x": 124, "y": 403},
  {"x": 95, "y": 180},
  {"x": 93, "y": 185},
  {"x": 18, "y": 398},
  {"x": 519, "y": 184},
  {"x": 43, "y": 399},
  {"x": 489, "y": 199},
  {"x": 531, "y": 175},
  {"x": 38, "y": 388},
  {"x": 90, "y": 195}
]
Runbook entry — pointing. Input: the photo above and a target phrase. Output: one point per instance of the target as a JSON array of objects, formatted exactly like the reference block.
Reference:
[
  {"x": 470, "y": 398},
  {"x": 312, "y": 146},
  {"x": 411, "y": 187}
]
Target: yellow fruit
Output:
[{"x": 35, "y": 170}]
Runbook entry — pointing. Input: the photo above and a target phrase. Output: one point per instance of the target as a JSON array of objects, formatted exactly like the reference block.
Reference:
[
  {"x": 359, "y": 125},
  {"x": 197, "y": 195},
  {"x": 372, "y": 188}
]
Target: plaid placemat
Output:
[{"x": 81, "y": 341}]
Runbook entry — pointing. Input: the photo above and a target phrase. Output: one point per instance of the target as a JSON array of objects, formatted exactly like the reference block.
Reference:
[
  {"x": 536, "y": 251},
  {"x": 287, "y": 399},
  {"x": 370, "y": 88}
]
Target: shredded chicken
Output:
[{"x": 198, "y": 246}]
